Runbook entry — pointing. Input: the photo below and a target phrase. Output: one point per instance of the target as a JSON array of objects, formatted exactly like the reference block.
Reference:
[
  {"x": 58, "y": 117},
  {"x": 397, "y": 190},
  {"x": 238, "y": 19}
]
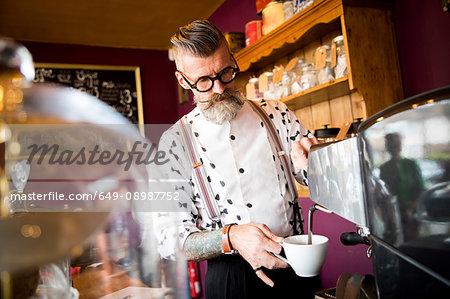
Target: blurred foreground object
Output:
[
  {"x": 16, "y": 72},
  {"x": 69, "y": 177}
]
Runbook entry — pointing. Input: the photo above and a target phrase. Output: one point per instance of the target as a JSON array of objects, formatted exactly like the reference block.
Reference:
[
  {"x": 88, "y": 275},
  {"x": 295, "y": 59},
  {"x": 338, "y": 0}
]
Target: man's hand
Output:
[
  {"x": 255, "y": 241},
  {"x": 300, "y": 151}
]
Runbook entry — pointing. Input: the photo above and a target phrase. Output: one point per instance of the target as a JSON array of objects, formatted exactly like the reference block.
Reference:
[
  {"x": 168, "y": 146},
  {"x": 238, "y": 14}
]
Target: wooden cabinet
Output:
[
  {"x": 370, "y": 43},
  {"x": 373, "y": 82}
]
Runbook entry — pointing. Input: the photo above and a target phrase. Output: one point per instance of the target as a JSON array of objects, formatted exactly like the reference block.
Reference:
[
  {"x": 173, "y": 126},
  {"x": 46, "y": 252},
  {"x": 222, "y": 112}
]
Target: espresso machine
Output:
[{"x": 393, "y": 181}]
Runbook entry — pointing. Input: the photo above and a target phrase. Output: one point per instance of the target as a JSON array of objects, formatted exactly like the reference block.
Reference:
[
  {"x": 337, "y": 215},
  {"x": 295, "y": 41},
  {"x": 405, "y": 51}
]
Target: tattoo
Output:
[{"x": 203, "y": 245}]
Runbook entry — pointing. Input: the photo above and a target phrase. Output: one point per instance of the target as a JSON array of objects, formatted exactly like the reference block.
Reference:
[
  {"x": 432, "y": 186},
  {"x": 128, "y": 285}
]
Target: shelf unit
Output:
[
  {"x": 320, "y": 93},
  {"x": 369, "y": 38},
  {"x": 373, "y": 82}
]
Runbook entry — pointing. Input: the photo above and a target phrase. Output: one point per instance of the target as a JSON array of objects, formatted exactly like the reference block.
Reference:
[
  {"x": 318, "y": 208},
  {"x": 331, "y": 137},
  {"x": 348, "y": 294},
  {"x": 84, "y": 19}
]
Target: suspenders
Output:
[
  {"x": 274, "y": 138},
  {"x": 199, "y": 175}
]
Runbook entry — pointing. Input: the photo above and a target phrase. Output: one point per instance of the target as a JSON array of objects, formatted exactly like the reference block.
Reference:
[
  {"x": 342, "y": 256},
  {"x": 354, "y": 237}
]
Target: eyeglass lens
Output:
[{"x": 225, "y": 76}]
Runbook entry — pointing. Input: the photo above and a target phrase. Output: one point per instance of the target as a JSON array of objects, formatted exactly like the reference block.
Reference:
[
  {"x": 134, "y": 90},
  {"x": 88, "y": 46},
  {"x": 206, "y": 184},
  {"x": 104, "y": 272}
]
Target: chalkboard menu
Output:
[{"x": 118, "y": 86}]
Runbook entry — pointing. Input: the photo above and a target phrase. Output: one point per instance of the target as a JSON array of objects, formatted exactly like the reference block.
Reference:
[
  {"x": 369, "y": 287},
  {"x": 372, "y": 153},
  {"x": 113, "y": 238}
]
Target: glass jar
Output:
[
  {"x": 288, "y": 9},
  {"x": 309, "y": 76},
  {"x": 325, "y": 74},
  {"x": 340, "y": 70},
  {"x": 253, "y": 84},
  {"x": 269, "y": 94},
  {"x": 300, "y": 5},
  {"x": 297, "y": 75},
  {"x": 286, "y": 84}
]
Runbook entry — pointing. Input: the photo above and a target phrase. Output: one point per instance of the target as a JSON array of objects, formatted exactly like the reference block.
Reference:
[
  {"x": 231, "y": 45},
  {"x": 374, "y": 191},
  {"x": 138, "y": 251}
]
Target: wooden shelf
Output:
[
  {"x": 317, "y": 94},
  {"x": 370, "y": 43},
  {"x": 304, "y": 27}
]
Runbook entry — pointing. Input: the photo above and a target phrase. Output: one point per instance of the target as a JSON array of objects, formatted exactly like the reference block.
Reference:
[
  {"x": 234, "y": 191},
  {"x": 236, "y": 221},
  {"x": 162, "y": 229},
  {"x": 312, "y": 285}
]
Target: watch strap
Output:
[{"x": 226, "y": 244}]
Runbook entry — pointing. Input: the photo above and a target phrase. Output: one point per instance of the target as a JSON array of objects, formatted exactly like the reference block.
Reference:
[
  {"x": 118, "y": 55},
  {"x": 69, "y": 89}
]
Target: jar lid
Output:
[
  {"x": 253, "y": 80},
  {"x": 300, "y": 63},
  {"x": 268, "y": 74},
  {"x": 273, "y": 3},
  {"x": 338, "y": 38},
  {"x": 326, "y": 132},
  {"x": 308, "y": 66}
]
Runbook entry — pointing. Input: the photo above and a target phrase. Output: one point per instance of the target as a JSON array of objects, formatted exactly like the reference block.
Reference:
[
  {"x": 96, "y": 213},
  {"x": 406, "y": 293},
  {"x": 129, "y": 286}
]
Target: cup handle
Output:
[{"x": 281, "y": 257}]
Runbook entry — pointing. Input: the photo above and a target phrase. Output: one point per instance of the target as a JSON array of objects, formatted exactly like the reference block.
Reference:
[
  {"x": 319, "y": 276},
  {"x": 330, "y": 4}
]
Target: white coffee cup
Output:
[{"x": 306, "y": 259}]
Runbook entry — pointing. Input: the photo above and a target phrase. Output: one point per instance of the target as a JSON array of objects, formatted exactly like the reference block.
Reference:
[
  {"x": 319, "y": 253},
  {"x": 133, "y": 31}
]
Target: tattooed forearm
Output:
[{"x": 203, "y": 245}]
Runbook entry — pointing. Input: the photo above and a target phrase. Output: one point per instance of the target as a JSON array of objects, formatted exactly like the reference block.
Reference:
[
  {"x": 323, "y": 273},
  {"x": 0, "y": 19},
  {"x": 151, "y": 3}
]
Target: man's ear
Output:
[{"x": 181, "y": 81}]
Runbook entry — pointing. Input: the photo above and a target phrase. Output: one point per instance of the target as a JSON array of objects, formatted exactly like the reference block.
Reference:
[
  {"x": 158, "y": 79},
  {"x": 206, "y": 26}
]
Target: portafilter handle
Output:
[{"x": 352, "y": 238}]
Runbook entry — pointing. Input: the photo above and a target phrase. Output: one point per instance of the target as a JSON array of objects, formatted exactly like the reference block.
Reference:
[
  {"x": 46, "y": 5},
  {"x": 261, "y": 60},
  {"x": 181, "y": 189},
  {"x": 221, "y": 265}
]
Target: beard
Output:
[{"x": 221, "y": 107}]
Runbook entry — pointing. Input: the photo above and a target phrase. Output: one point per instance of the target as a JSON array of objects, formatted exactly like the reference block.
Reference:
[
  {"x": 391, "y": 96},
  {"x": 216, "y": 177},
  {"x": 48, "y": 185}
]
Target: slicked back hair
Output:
[{"x": 199, "y": 38}]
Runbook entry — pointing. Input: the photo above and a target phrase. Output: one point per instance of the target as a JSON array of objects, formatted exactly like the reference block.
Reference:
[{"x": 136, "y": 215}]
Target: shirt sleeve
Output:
[
  {"x": 295, "y": 131},
  {"x": 173, "y": 227}
]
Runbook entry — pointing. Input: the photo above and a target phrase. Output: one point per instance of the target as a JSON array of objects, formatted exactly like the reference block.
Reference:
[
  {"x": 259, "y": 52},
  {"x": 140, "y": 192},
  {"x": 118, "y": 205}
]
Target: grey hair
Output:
[{"x": 199, "y": 38}]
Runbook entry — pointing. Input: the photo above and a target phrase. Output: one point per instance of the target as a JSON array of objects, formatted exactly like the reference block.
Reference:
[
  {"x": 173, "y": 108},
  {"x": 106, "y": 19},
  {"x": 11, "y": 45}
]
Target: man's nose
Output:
[{"x": 218, "y": 87}]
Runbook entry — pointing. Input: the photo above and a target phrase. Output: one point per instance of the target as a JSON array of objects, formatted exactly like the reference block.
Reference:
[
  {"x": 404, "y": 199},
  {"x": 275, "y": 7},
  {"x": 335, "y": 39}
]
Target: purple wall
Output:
[
  {"x": 423, "y": 44},
  {"x": 234, "y": 14},
  {"x": 157, "y": 72}
]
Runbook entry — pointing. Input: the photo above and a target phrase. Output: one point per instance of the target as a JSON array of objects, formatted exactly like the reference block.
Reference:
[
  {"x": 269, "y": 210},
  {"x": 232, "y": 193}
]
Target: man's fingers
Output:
[
  {"x": 274, "y": 262},
  {"x": 270, "y": 234},
  {"x": 314, "y": 140},
  {"x": 260, "y": 273},
  {"x": 306, "y": 143}
]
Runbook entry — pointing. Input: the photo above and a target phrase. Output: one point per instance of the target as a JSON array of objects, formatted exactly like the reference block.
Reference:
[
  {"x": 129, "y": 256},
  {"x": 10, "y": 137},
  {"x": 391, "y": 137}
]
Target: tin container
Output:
[
  {"x": 236, "y": 40},
  {"x": 273, "y": 16},
  {"x": 253, "y": 32}
]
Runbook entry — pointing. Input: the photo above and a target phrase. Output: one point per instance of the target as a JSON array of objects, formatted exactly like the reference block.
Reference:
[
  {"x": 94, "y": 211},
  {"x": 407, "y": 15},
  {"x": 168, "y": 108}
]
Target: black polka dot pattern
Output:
[{"x": 288, "y": 128}]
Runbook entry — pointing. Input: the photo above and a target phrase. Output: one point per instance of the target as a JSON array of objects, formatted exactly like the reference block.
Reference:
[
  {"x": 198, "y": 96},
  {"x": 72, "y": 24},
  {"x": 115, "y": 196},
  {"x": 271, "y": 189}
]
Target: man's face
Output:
[{"x": 222, "y": 102}]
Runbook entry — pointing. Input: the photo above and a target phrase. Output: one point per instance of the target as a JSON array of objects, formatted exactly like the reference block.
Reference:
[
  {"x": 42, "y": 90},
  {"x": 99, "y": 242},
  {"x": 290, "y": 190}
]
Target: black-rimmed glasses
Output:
[{"x": 206, "y": 83}]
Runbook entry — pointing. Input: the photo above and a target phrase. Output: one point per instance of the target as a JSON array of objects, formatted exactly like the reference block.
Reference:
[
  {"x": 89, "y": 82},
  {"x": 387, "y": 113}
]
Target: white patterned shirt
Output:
[{"x": 246, "y": 177}]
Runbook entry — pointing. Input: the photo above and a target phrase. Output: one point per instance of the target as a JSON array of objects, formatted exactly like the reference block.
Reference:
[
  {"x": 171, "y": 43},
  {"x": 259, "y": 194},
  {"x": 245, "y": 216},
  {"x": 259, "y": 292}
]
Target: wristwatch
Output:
[{"x": 226, "y": 245}]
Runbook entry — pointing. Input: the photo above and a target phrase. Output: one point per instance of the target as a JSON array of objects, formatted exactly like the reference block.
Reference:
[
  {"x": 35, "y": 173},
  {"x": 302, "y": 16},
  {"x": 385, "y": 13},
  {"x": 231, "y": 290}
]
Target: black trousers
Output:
[{"x": 233, "y": 277}]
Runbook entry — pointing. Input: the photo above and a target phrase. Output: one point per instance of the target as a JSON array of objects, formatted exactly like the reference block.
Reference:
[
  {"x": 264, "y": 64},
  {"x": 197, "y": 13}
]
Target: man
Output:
[
  {"x": 247, "y": 180},
  {"x": 403, "y": 177}
]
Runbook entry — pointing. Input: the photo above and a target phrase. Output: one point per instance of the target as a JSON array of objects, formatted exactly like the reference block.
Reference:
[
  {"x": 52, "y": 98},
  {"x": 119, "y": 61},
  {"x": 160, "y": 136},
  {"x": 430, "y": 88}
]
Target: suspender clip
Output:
[{"x": 197, "y": 165}]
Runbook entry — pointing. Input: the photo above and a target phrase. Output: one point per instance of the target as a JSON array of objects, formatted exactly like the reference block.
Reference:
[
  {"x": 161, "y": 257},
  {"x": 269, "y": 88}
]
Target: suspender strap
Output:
[
  {"x": 284, "y": 158},
  {"x": 199, "y": 175}
]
